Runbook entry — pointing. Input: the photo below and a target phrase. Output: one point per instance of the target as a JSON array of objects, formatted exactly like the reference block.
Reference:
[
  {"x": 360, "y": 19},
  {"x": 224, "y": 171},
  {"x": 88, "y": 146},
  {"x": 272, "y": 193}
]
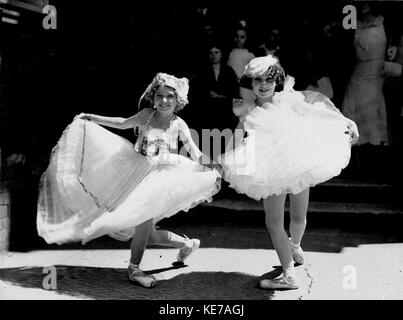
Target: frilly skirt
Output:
[
  {"x": 292, "y": 144},
  {"x": 96, "y": 184}
]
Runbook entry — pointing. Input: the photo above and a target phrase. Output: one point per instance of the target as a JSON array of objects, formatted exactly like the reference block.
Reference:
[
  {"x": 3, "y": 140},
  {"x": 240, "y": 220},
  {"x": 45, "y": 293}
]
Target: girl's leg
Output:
[
  {"x": 298, "y": 210},
  {"x": 274, "y": 209},
  {"x": 140, "y": 241},
  {"x": 170, "y": 239},
  {"x": 167, "y": 238},
  {"x": 138, "y": 245}
]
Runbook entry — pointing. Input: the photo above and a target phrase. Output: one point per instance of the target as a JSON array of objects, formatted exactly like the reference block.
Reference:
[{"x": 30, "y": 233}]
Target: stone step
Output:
[
  {"x": 317, "y": 207},
  {"x": 340, "y": 190}
]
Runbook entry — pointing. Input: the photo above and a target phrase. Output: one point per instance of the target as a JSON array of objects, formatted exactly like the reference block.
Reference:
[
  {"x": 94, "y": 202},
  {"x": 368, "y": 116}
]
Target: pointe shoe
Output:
[
  {"x": 139, "y": 276},
  {"x": 284, "y": 283},
  {"x": 191, "y": 246}
]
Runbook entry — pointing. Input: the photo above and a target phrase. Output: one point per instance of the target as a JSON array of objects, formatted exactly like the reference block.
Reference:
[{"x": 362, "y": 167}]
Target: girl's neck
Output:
[
  {"x": 260, "y": 101},
  {"x": 161, "y": 117}
]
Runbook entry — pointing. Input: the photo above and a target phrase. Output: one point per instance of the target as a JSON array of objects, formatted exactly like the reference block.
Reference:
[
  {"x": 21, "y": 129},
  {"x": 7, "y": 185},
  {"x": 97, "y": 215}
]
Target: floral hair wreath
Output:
[
  {"x": 180, "y": 85},
  {"x": 257, "y": 67}
]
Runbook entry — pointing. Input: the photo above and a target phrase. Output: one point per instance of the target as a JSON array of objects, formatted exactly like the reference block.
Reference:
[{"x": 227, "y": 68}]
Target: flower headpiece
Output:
[
  {"x": 257, "y": 67},
  {"x": 180, "y": 85}
]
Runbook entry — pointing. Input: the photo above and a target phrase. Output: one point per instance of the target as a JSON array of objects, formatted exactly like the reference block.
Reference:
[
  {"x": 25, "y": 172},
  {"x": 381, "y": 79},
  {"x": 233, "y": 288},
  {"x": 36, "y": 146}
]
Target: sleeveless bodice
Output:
[{"x": 153, "y": 142}]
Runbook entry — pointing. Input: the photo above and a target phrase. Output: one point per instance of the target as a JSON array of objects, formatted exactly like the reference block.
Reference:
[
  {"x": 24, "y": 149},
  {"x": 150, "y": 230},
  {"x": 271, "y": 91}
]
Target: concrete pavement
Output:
[{"x": 231, "y": 260}]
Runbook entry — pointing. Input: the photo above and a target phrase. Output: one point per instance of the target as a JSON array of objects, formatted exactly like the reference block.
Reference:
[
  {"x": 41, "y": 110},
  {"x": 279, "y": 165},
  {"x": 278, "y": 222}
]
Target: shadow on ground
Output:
[
  {"x": 221, "y": 228},
  {"x": 112, "y": 283},
  {"x": 247, "y": 236}
]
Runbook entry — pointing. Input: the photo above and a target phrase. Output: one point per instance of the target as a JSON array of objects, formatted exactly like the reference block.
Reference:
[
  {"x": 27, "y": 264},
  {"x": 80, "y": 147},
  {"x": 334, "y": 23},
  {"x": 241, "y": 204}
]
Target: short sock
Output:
[{"x": 295, "y": 246}]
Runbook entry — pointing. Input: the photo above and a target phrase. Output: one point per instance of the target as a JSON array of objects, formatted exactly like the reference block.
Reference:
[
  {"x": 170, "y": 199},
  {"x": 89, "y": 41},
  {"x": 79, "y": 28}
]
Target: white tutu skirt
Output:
[
  {"x": 97, "y": 184},
  {"x": 296, "y": 142}
]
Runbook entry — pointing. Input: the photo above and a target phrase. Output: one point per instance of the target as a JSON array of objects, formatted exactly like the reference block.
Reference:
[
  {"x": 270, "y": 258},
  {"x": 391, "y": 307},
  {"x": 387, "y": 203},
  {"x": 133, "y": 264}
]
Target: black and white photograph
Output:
[{"x": 201, "y": 155}]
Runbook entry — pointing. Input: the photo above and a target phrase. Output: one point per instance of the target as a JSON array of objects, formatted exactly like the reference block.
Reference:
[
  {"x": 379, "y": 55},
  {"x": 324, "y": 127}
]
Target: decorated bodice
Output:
[{"x": 156, "y": 142}]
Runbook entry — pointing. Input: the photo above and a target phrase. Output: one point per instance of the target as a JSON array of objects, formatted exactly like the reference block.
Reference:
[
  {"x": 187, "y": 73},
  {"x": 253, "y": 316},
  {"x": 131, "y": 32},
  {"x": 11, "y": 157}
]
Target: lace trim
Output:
[{"x": 79, "y": 178}]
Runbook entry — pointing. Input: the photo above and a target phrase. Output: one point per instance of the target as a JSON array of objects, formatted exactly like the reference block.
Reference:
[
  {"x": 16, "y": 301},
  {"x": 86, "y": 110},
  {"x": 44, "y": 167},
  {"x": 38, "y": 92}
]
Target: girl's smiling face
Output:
[
  {"x": 263, "y": 87},
  {"x": 165, "y": 99}
]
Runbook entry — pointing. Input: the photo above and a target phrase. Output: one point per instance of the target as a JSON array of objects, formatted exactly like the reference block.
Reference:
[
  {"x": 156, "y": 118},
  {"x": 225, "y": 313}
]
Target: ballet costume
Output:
[
  {"x": 297, "y": 141},
  {"x": 98, "y": 183}
]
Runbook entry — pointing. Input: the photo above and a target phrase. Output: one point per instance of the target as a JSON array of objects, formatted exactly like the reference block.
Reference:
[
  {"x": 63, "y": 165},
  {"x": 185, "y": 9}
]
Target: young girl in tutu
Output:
[
  {"x": 294, "y": 140},
  {"x": 98, "y": 183}
]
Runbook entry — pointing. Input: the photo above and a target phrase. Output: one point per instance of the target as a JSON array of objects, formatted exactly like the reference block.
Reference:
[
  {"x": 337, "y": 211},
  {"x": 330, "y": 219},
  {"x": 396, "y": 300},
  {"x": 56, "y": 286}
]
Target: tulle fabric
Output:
[
  {"x": 97, "y": 184},
  {"x": 295, "y": 142}
]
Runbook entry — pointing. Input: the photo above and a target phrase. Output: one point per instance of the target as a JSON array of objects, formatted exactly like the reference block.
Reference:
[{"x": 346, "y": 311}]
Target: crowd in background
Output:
[
  {"x": 360, "y": 69},
  {"x": 100, "y": 57}
]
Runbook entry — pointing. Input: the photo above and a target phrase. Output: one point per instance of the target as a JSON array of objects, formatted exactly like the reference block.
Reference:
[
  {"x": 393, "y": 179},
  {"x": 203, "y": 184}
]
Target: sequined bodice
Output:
[{"x": 155, "y": 142}]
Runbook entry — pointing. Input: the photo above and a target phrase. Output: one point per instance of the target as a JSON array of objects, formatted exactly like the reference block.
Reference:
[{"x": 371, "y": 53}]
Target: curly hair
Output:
[
  {"x": 257, "y": 67},
  {"x": 180, "y": 85}
]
